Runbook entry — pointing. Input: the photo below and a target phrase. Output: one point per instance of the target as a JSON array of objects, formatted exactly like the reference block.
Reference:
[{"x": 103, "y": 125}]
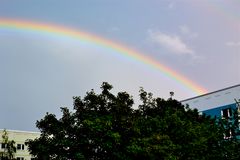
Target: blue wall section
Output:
[{"x": 217, "y": 111}]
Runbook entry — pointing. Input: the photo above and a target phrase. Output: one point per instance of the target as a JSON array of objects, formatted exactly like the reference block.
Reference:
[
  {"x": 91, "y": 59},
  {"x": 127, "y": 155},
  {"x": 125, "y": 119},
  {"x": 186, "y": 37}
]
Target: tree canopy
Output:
[{"x": 105, "y": 126}]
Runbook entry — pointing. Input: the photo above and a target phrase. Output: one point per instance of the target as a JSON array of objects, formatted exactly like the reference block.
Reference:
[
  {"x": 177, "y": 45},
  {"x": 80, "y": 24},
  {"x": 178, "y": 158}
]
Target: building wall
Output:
[
  {"x": 220, "y": 104},
  {"x": 218, "y": 111},
  {"x": 218, "y": 99},
  {"x": 20, "y": 138}
]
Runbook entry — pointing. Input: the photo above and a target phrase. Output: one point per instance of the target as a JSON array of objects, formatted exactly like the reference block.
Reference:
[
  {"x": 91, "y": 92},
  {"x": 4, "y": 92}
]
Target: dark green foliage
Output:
[{"x": 105, "y": 126}]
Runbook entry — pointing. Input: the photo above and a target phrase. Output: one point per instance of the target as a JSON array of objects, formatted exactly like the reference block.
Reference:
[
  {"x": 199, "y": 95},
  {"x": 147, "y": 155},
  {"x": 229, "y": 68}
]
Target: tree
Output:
[
  {"x": 8, "y": 146},
  {"x": 105, "y": 126}
]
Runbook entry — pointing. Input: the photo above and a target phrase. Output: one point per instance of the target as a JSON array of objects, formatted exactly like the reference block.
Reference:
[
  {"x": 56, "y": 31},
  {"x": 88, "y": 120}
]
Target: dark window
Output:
[
  {"x": 3, "y": 145},
  {"x": 227, "y": 113},
  {"x": 230, "y": 112},
  {"x": 18, "y": 146},
  {"x": 228, "y": 133}
]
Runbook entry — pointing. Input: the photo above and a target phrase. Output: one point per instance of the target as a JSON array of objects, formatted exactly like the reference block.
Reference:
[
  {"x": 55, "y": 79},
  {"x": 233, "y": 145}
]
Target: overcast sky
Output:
[{"x": 200, "y": 39}]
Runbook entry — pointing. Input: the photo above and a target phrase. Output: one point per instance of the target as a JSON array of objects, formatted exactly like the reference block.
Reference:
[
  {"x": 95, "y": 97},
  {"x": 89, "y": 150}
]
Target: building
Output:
[
  {"x": 20, "y": 138},
  {"x": 215, "y": 103},
  {"x": 220, "y": 104}
]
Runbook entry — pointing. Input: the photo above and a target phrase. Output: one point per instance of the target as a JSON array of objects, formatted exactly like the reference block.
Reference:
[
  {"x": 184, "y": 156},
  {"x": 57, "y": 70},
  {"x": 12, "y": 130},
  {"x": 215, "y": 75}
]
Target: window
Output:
[
  {"x": 3, "y": 145},
  {"x": 20, "y": 158},
  {"x": 229, "y": 133},
  {"x": 20, "y": 146},
  {"x": 226, "y": 113}
]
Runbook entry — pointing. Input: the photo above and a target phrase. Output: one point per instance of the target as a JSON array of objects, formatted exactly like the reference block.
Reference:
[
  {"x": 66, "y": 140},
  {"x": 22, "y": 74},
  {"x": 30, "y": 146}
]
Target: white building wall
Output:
[{"x": 20, "y": 138}]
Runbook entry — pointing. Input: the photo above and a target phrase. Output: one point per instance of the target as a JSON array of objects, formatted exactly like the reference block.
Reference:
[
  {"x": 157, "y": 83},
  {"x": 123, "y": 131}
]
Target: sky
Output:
[{"x": 198, "y": 39}]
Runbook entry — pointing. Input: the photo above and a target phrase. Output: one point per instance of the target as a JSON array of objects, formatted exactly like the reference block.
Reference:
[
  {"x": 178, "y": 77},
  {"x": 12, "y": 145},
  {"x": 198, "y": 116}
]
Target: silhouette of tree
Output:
[{"x": 105, "y": 126}]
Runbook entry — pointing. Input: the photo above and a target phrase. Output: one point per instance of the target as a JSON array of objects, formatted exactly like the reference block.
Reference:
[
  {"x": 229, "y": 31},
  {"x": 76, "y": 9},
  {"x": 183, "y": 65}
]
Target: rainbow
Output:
[{"x": 30, "y": 26}]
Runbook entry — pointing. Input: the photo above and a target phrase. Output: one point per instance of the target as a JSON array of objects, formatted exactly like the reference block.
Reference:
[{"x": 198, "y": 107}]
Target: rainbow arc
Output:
[{"x": 23, "y": 25}]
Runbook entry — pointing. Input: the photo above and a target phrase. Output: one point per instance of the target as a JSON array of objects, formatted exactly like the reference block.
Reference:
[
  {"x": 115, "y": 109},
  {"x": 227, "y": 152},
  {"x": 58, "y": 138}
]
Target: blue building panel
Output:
[
  {"x": 216, "y": 112},
  {"x": 221, "y": 105}
]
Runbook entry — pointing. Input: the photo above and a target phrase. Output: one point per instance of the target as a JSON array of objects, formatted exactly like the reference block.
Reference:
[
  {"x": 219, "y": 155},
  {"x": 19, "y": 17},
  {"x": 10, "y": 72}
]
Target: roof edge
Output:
[
  {"x": 20, "y": 131},
  {"x": 238, "y": 85}
]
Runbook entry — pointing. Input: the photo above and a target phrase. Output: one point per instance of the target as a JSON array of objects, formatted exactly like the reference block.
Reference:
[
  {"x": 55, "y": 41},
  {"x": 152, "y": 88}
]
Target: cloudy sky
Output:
[{"x": 199, "y": 39}]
